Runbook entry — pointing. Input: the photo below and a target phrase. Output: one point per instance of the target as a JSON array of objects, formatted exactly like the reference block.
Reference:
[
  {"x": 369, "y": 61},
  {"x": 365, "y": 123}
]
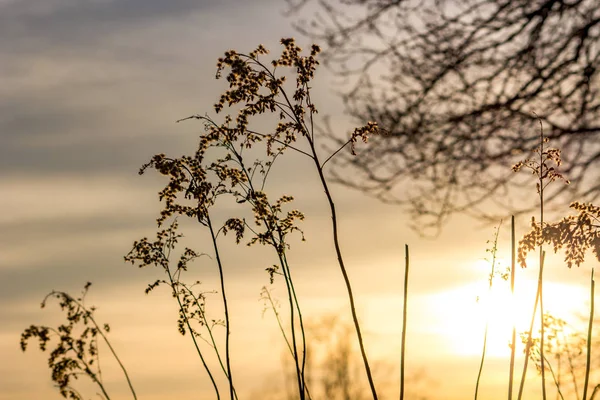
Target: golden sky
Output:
[{"x": 90, "y": 91}]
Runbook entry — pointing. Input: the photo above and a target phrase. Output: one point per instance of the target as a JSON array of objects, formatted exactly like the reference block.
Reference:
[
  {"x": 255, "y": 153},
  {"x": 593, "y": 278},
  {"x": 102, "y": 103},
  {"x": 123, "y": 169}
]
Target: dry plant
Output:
[
  {"x": 197, "y": 182},
  {"x": 541, "y": 167},
  {"x": 74, "y": 356},
  {"x": 220, "y": 171},
  {"x": 576, "y": 234},
  {"x": 493, "y": 250}
]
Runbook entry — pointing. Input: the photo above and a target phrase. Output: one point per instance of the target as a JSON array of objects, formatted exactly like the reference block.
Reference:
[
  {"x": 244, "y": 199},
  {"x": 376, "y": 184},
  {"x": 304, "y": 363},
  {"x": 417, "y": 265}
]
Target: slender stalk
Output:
[
  {"x": 340, "y": 258},
  {"x": 93, "y": 376},
  {"x": 293, "y": 329},
  {"x": 513, "y": 340},
  {"x": 213, "y": 343},
  {"x": 529, "y": 342},
  {"x": 293, "y": 299},
  {"x": 589, "y": 338},
  {"x": 541, "y": 297},
  {"x": 112, "y": 350},
  {"x": 404, "y": 319},
  {"x": 541, "y": 175},
  {"x": 309, "y": 135},
  {"x": 596, "y": 389},
  {"x": 487, "y": 318},
  {"x": 556, "y": 380},
  {"x": 558, "y": 375},
  {"x": 485, "y": 336},
  {"x": 301, "y": 321},
  {"x": 541, "y": 171},
  {"x": 187, "y": 322},
  {"x": 290, "y": 110},
  {"x": 278, "y": 319},
  {"x": 287, "y": 342},
  {"x": 227, "y": 328}
]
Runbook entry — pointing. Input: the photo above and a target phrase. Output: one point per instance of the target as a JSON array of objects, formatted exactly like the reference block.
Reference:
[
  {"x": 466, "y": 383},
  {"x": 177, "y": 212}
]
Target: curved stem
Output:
[
  {"x": 93, "y": 376},
  {"x": 487, "y": 316},
  {"x": 112, "y": 350},
  {"x": 187, "y": 322},
  {"x": 301, "y": 321},
  {"x": 309, "y": 137},
  {"x": 279, "y": 245},
  {"x": 222, "y": 281},
  {"x": 596, "y": 389},
  {"x": 556, "y": 380},
  {"x": 340, "y": 258},
  {"x": 299, "y": 374},
  {"x": 210, "y": 333},
  {"x": 285, "y": 338},
  {"x": 529, "y": 335}
]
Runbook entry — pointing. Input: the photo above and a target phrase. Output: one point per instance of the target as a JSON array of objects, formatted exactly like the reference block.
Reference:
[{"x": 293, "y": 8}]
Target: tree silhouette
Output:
[{"x": 459, "y": 86}]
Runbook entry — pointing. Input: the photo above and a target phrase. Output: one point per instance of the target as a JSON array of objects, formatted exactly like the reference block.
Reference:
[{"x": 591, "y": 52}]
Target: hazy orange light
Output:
[{"x": 460, "y": 314}]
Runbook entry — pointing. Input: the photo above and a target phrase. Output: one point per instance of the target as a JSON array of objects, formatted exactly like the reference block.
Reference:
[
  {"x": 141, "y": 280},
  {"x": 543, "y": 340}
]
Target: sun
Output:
[{"x": 461, "y": 314}]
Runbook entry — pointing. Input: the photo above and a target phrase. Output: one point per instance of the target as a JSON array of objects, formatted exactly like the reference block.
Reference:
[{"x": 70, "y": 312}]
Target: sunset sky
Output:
[{"x": 89, "y": 91}]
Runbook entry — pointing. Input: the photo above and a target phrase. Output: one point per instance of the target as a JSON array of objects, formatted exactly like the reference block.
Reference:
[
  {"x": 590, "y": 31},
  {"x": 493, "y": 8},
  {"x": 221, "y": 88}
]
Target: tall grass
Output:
[{"x": 219, "y": 170}]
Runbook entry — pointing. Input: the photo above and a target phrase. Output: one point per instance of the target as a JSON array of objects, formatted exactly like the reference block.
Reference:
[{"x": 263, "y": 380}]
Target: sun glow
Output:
[{"x": 460, "y": 314}]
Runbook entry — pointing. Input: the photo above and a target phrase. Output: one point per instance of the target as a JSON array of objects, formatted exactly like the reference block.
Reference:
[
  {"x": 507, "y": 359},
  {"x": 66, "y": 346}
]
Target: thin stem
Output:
[
  {"x": 556, "y": 381},
  {"x": 541, "y": 173},
  {"x": 589, "y": 338},
  {"x": 513, "y": 342},
  {"x": 301, "y": 321},
  {"x": 541, "y": 276},
  {"x": 487, "y": 319},
  {"x": 92, "y": 375},
  {"x": 210, "y": 333},
  {"x": 529, "y": 342},
  {"x": 227, "y": 328},
  {"x": 187, "y": 322},
  {"x": 541, "y": 294},
  {"x": 485, "y": 336},
  {"x": 404, "y": 313},
  {"x": 287, "y": 342},
  {"x": 596, "y": 389},
  {"x": 112, "y": 350},
  {"x": 335, "y": 152},
  {"x": 299, "y": 119},
  {"x": 293, "y": 300},
  {"x": 293, "y": 329},
  {"x": 339, "y": 253},
  {"x": 98, "y": 365},
  {"x": 343, "y": 270},
  {"x": 558, "y": 375},
  {"x": 278, "y": 319}
]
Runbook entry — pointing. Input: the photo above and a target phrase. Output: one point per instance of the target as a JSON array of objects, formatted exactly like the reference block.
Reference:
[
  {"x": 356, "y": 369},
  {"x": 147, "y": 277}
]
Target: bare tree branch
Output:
[{"x": 456, "y": 84}]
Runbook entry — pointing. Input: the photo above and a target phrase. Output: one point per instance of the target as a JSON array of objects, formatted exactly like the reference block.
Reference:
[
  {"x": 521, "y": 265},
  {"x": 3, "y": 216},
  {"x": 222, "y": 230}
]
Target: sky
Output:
[{"x": 89, "y": 91}]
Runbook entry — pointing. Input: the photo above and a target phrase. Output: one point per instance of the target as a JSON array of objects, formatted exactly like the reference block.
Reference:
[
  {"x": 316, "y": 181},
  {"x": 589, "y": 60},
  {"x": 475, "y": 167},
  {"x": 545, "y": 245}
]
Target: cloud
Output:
[
  {"x": 95, "y": 86},
  {"x": 67, "y": 22}
]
